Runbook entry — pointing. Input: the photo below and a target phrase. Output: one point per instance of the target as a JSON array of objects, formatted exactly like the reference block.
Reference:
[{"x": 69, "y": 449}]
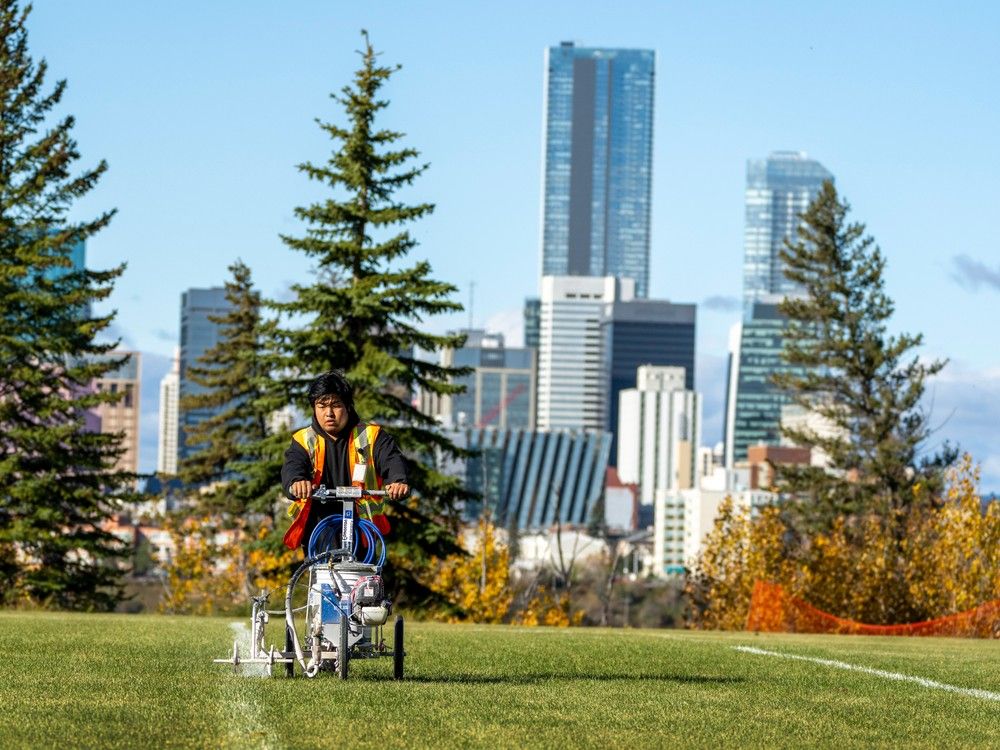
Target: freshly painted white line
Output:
[
  {"x": 246, "y": 727},
  {"x": 922, "y": 681},
  {"x": 248, "y": 670}
]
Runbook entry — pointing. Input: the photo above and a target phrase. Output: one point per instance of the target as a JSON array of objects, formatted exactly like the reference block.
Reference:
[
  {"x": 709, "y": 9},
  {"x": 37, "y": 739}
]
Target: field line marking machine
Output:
[{"x": 335, "y": 603}]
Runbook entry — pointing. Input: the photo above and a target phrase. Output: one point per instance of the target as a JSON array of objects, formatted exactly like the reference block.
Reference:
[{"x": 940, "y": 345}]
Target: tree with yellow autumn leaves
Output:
[
  {"x": 943, "y": 559},
  {"x": 479, "y": 587},
  {"x": 885, "y": 532},
  {"x": 216, "y": 569}
]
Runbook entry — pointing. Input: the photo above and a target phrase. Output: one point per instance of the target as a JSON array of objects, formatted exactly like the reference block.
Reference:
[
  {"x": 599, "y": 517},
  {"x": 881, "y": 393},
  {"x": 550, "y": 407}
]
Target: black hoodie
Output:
[{"x": 389, "y": 461}]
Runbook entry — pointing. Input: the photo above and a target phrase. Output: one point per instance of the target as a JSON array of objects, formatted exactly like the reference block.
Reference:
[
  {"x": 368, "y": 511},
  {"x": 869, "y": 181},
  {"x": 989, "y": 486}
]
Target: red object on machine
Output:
[{"x": 774, "y": 610}]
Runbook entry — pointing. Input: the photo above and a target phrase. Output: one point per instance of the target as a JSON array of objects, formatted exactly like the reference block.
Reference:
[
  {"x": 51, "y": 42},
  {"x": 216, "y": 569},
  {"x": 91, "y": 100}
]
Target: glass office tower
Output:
[
  {"x": 779, "y": 189},
  {"x": 598, "y": 163},
  {"x": 532, "y": 322},
  {"x": 499, "y": 392},
  {"x": 198, "y": 334},
  {"x": 753, "y": 402},
  {"x": 644, "y": 332}
]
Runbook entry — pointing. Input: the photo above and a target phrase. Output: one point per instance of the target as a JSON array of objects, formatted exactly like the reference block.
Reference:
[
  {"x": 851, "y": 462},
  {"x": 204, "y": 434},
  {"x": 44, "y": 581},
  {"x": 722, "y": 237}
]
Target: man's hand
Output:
[
  {"x": 397, "y": 490},
  {"x": 301, "y": 489}
]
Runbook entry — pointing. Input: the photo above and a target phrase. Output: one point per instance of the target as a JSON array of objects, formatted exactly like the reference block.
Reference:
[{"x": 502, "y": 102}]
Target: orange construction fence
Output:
[{"x": 773, "y": 610}]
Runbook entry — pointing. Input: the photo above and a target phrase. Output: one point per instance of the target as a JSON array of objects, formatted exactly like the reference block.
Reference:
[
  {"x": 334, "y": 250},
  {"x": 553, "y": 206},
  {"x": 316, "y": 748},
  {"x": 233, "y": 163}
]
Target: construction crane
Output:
[{"x": 495, "y": 412}]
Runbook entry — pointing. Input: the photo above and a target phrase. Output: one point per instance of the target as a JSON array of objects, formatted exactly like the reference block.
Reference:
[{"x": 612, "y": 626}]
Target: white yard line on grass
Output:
[
  {"x": 247, "y": 727},
  {"x": 922, "y": 681}
]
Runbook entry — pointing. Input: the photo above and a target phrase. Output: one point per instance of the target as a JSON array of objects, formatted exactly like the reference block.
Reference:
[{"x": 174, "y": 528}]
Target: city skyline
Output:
[
  {"x": 913, "y": 120},
  {"x": 645, "y": 332}
]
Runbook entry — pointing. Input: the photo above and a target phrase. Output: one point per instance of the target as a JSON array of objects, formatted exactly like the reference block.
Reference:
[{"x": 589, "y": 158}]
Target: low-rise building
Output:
[
  {"x": 532, "y": 479},
  {"x": 684, "y": 518}
]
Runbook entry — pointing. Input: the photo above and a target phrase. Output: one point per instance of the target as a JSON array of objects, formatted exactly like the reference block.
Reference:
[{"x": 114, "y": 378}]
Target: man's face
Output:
[{"x": 331, "y": 414}]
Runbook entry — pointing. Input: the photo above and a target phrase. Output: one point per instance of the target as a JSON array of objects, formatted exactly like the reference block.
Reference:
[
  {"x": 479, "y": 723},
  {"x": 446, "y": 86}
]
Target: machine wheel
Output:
[
  {"x": 397, "y": 650},
  {"x": 289, "y": 647},
  {"x": 342, "y": 659}
]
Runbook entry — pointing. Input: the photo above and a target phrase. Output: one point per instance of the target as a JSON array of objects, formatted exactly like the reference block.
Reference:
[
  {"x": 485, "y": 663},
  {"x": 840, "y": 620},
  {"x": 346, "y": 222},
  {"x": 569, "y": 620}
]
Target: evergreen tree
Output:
[
  {"x": 361, "y": 313},
  {"x": 233, "y": 375},
  {"x": 57, "y": 481},
  {"x": 864, "y": 383}
]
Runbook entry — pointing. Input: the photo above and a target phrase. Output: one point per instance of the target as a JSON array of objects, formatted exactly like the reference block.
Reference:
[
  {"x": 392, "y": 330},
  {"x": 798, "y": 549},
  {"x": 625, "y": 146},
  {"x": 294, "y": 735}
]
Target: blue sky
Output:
[{"x": 203, "y": 109}]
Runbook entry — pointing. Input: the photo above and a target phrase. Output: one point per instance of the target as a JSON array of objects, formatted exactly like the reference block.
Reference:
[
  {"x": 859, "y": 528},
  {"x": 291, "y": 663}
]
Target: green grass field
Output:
[{"x": 74, "y": 681}]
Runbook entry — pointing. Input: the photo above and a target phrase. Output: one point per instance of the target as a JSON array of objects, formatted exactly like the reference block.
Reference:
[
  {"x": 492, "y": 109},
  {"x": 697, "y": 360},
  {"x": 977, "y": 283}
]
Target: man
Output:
[{"x": 338, "y": 450}]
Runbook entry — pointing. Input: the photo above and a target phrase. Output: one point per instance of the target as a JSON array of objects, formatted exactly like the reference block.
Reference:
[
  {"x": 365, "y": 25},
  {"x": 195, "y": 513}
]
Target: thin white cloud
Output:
[
  {"x": 964, "y": 408},
  {"x": 721, "y": 303},
  {"x": 510, "y": 323}
]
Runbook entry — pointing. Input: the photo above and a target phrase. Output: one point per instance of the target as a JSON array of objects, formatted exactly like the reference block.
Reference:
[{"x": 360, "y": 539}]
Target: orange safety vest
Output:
[{"x": 360, "y": 463}]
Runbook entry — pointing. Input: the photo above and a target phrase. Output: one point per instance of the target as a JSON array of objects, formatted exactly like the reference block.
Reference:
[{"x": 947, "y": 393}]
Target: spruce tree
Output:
[
  {"x": 58, "y": 483},
  {"x": 233, "y": 376},
  {"x": 363, "y": 310},
  {"x": 863, "y": 382}
]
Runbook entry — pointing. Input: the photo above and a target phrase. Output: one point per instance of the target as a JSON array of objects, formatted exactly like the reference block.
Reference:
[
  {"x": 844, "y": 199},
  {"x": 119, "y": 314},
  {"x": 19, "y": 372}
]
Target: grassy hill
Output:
[{"x": 134, "y": 681}]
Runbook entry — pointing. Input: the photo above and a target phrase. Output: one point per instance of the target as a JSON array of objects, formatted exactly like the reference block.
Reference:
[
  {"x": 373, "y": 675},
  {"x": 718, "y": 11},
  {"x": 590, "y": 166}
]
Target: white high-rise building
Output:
[
  {"x": 684, "y": 518},
  {"x": 572, "y": 382},
  {"x": 166, "y": 459},
  {"x": 659, "y": 432}
]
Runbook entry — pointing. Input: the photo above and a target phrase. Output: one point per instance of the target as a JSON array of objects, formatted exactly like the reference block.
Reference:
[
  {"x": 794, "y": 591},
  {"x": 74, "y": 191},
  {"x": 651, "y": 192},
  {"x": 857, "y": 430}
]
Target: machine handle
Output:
[{"x": 322, "y": 494}]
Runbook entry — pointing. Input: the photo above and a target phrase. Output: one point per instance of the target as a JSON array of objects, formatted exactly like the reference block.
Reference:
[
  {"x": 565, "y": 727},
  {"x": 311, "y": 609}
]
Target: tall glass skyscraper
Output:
[
  {"x": 198, "y": 334},
  {"x": 779, "y": 190},
  {"x": 598, "y": 163},
  {"x": 753, "y": 402}
]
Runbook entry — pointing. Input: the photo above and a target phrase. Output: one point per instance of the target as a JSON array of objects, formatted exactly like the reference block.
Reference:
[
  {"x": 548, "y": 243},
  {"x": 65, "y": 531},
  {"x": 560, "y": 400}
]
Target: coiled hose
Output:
[{"x": 326, "y": 537}]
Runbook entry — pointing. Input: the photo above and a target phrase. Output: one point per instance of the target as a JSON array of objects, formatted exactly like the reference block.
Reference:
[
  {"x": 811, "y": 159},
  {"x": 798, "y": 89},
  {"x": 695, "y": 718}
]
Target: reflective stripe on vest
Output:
[
  {"x": 359, "y": 452},
  {"x": 316, "y": 450}
]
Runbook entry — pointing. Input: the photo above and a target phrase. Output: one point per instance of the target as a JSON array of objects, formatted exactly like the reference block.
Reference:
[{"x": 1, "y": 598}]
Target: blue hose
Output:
[{"x": 326, "y": 536}]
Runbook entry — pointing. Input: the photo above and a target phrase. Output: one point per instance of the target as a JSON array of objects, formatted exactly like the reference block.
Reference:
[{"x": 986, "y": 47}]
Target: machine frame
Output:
[{"x": 336, "y": 631}]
